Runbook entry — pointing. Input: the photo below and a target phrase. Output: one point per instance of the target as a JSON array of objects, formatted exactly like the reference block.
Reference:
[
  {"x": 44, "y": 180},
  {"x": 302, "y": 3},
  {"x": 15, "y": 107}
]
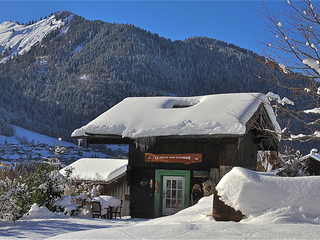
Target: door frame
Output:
[{"x": 158, "y": 191}]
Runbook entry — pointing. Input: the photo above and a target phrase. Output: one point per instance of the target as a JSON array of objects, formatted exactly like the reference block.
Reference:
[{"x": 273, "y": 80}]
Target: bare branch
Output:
[{"x": 295, "y": 41}]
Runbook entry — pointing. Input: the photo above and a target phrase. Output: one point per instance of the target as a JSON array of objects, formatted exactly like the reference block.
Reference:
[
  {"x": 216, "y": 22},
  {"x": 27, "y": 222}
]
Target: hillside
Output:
[
  {"x": 26, "y": 145},
  {"x": 30, "y": 146},
  {"x": 81, "y": 68}
]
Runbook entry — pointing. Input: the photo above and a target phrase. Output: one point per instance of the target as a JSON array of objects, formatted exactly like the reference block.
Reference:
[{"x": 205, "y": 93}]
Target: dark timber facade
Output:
[{"x": 163, "y": 185}]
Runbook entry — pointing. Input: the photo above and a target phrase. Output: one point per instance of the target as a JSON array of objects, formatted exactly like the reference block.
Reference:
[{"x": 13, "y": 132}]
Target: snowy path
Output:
[
  {"x": 75, "y": 228},
  {"x": 45, "y": 228}
]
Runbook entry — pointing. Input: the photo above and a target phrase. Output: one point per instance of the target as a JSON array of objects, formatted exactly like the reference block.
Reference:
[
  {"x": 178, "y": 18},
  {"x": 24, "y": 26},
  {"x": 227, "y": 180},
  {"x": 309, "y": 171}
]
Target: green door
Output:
[{"x": 173, "y": 191}]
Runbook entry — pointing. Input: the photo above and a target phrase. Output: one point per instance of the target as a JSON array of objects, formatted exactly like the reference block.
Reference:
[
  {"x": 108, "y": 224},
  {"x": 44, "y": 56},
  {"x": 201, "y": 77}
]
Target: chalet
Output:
[
  {"x": 108, "y": 174},
  {"x": 312, "y": 162},
  {"x": 176, "y": 143}
]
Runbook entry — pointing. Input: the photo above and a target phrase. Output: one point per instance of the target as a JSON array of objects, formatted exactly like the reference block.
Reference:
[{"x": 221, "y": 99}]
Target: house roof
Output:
[
  {"x": 313, "y": 154},
  {"x": 136, "y": 117},
  {"x": 97, "y": 169}
]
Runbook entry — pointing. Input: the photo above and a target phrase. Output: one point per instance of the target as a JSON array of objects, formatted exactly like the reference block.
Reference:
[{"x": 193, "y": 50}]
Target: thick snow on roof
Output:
[
  {"x": 266, "y": 195},
  {"x": 162, "y": 116},
  {"x": 97, "y": 169}
]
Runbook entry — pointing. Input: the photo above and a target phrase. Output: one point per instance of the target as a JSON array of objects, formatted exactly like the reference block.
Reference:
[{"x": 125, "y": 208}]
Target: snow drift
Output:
[{"x": 260, "y": 195}]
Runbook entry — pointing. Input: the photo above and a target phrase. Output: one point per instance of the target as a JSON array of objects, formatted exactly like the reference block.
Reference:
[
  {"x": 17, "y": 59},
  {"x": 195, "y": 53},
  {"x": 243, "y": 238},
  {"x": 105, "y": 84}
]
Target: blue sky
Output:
[{"x": 237, "y": 22}]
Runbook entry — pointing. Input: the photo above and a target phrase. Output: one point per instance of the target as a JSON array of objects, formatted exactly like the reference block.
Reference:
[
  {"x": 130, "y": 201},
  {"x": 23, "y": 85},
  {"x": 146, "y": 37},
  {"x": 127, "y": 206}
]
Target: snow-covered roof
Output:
[
  {"x": 136, "y": 117},
  {"x": 313, "y": 154},
  {"x": 97, "y": 169}
]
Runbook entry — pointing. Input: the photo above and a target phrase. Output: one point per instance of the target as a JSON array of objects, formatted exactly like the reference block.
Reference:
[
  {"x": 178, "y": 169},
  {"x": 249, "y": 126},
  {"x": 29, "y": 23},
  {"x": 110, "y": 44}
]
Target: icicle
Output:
[
  {"x": 79, "y": 142},
  {"x": 145, "y": 143}
]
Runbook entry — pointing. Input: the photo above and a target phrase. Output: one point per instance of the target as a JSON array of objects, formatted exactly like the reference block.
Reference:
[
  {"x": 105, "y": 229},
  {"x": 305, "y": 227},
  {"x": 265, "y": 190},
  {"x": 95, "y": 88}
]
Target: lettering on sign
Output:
[{"x": 187, "y": 158}]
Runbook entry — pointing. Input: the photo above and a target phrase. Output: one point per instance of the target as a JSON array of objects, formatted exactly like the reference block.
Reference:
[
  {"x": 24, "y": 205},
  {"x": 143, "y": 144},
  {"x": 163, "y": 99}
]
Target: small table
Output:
[{"x": 107, "y": 202}]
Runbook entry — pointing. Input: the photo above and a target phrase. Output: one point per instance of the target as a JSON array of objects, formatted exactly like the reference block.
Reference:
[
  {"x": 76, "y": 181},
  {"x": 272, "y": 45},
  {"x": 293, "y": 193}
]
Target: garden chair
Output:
[
  {"x": 97, "y": 211},
  {"x": 116, "y": 210}
]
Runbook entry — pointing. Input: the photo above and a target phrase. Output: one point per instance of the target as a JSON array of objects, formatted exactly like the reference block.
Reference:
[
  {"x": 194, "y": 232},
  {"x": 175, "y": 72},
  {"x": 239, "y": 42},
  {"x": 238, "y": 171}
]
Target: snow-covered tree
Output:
[
  {"x": 26, "y": 184},
  {"x": 294, "y": 43},
  {"x": 13, "y": 196},
  {"x": 57, "y": 150},
  {"x": 293, "y": 165}
]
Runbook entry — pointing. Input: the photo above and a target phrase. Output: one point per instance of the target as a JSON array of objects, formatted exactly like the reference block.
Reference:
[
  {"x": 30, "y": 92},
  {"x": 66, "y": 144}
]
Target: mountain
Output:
[
  {"x": 18, "y": 39},
  {"x": 63, "y": 71}
]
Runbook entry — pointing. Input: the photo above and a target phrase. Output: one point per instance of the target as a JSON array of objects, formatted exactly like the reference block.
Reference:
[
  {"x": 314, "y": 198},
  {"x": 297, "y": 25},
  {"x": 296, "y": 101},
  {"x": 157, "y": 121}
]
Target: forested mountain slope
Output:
[{"x": 83, "y": 68}]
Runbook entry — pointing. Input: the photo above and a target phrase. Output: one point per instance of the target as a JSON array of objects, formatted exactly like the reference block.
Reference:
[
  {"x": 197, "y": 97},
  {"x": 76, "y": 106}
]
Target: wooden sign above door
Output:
[{"x": 186, "y": 158}]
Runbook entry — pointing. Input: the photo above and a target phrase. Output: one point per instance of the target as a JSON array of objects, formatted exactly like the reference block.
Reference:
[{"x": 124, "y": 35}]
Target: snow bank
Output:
[
  {"x": 39, "y": 212},
  {"x": 266, "y": 195},
  {"x": 66, "y": 204},
  {"x": 162, "y": 116}
]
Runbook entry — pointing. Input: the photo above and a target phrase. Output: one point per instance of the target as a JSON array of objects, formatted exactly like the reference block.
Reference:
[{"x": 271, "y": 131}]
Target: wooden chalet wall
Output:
[
  {"x": 120, "y": 190},
  {"x": 217, "y": 153},
  {"x": 243, "y": 153}
]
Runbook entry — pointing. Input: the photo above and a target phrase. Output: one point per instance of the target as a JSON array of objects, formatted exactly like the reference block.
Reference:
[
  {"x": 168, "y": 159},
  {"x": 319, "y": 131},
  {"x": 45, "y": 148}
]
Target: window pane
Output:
[
  {"x": 174, "y": 183},
  {"x": 168, "y": 183},
  {"x": 179, "y": 194},
  {"x": 179, "y": 204},
  {"x": 173, "y": 193},
  {"x": 168, "y": 203},
  {"x": 168, "y": 194}
]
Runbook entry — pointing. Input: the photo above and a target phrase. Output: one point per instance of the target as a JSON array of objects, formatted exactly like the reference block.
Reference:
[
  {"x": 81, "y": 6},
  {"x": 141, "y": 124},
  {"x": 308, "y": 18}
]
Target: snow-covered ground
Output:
[
  {"x": 29, "y": 136},
  {"x": 276, "y": 208},
  {"x": 26, "y": 145}
]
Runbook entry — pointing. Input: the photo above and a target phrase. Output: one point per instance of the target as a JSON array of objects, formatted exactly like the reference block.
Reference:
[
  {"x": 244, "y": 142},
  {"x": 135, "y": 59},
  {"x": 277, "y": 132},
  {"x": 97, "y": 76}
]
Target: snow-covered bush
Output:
[
  {"x": 293, "y": 166},
  {"x": 21, "y": 187},
  {"x": 65, "y": 205},
  {"x": 13, "y": 198},
  {"x": 74, "y": 205},
  {"x": 45, "y": 185},
  {"x": 39, "y": 183}
]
